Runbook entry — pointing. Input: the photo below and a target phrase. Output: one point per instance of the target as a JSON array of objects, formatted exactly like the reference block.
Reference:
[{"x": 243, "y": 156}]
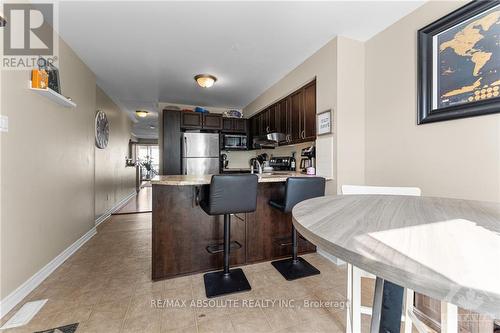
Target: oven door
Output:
[{"x": 235, "y": 142}]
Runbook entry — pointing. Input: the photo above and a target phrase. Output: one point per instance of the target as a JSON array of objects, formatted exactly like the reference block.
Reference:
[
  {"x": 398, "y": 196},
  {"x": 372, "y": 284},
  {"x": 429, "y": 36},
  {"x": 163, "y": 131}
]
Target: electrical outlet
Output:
[{"x": 4, "y": 124}]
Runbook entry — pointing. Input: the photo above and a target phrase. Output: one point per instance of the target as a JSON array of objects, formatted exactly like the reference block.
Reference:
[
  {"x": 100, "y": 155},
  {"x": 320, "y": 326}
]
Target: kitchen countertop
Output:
[{"x": 186, "y": 180}]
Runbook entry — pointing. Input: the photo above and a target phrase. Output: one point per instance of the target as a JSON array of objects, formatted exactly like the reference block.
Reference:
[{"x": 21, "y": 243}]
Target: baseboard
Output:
[
  {"x": 11, "y": 300},
  {"x": 329, "y": 256},
  {"x": 113, "y": 209}
]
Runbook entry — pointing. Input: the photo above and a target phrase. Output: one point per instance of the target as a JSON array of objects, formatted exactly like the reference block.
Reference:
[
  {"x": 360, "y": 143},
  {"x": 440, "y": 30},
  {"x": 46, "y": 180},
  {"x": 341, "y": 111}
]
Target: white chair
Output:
[{"x": 355, "y": 274}]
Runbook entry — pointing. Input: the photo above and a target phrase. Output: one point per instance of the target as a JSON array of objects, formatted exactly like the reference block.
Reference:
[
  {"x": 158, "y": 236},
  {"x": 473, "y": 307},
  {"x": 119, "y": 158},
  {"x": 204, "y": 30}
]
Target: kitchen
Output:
[
  {"x": 275, "y": 144},
  {"x": 303, "y": 159}
]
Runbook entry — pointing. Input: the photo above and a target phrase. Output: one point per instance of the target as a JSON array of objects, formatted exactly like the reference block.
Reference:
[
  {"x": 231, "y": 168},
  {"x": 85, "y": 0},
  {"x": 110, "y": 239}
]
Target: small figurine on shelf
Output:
[
  {"x": 39, "y": 79},
  {"x": 46, "y": 76}
]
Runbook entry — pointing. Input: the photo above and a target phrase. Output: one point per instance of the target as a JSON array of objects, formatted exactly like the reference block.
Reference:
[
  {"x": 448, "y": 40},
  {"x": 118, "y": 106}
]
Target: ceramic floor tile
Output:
[
  {"x": 106, "y": 287},
  {"x": 250, "y": 320}
]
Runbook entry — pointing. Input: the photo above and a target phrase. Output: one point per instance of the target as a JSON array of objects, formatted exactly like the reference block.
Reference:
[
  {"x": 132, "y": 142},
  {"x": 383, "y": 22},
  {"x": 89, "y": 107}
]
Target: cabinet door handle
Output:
[
  {"x": 303, "y": 134},
  {"x": 267, "y": 129}
]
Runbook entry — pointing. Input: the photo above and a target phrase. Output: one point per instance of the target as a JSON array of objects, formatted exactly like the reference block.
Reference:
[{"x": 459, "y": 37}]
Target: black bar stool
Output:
[
  {"x": 229, "y": 194},
  {"x": 297, "y": 189}
]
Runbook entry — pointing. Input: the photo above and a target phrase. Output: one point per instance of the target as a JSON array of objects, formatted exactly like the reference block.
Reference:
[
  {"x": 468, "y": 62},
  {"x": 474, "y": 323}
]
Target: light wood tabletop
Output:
[{"x": 448, "y": 249}]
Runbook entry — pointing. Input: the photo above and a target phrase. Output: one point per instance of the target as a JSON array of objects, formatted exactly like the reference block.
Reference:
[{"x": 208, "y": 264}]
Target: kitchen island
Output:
[{"x": 186, "y": 240}]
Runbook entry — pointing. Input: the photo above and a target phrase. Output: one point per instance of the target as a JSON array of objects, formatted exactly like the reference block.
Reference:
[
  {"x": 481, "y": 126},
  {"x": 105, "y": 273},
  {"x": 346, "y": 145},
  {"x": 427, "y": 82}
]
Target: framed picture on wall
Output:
[
  {"x": 324, "y": 122},
  {"x": 459, "y": 64}
]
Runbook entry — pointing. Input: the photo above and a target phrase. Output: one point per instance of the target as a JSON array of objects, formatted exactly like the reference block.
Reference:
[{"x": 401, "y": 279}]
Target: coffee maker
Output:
[{"x": 308, "y": 158}]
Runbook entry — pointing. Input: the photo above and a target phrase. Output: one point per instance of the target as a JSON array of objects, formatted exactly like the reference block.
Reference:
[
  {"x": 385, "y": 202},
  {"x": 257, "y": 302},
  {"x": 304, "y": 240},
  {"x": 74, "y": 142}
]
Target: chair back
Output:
[
  {"x": 356, "y": 189},
  {"x": 302, "y": 188},
  {"x": 231, "y": 194}
]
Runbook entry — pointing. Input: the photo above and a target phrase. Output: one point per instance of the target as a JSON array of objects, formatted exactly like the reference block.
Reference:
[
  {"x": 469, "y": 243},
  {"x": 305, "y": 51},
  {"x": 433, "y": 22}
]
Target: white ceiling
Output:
[{"x": 148, "y": 52}]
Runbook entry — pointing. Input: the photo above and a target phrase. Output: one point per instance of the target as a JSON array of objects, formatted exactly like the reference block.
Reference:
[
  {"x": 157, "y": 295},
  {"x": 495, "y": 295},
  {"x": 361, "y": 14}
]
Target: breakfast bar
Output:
[{"x": 186, "y": 240}]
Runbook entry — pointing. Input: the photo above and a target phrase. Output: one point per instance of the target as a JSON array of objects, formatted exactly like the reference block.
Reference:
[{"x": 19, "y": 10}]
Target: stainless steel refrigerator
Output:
[{"x": 200, "y": 153}]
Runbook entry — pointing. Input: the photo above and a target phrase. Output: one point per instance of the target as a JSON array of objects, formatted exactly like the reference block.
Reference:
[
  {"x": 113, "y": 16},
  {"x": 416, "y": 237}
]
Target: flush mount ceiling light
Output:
[
  {"x": 141, "y": 113},
  {"x": 205, "y": 80}
]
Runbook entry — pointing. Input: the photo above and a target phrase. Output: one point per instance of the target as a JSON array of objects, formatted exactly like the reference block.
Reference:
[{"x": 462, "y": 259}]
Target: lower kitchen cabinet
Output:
[
  {"x": 182, "y": 231},
  {"x": 270, "y": 230}
]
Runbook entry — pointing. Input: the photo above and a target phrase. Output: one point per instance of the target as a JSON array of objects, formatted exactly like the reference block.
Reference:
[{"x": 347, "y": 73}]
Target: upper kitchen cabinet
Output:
[
  {"x": 191, "y": 120},
  {"x": 284, "y": 119},
  {"x": 212, "y": 121},
  {"x": 234, "y": 125},
  {"x": 297, "y": 115},
  {"x": 294, "y": 116},
  {"x": 196, "y": 120},
  {"x": 309, "y": 118}
]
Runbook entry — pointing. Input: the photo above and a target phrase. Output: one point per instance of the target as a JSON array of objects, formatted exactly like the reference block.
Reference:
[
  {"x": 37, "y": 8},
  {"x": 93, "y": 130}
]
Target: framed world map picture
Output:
[{"x": 459, "y": 64}]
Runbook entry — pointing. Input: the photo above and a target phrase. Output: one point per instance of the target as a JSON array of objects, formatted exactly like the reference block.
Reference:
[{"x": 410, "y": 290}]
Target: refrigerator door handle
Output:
[{"x": 185, "y": 146}]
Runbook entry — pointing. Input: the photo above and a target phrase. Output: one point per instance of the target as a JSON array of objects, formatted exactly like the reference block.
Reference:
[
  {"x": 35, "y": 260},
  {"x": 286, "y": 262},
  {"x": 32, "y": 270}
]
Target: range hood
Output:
[{"x": 269, "y": 140}]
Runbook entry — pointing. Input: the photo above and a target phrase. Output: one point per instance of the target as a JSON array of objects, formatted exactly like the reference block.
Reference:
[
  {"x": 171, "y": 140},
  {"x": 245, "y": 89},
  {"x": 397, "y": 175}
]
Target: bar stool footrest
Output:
[
  {"x": 218, "y": 248},
  {"x": 292, "y": 270},
  {"x": 218, "y": 283}
]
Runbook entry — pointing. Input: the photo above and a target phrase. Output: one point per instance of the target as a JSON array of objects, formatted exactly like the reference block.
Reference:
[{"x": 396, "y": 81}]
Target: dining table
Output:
[{"x": 444, "y": 248}]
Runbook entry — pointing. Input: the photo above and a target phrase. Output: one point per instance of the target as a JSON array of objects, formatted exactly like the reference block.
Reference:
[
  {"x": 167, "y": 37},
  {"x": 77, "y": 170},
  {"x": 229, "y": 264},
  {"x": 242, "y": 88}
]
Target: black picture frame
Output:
[{"x": 426, "y": 113}]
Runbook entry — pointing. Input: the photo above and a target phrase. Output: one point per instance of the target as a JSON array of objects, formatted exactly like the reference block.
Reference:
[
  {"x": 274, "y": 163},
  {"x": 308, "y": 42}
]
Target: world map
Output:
[{"x": 469, "y": 60}]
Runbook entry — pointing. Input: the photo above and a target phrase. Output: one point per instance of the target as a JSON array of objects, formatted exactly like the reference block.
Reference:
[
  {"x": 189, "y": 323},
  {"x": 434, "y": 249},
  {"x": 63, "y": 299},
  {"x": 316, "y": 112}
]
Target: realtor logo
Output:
[{"x": 28, "y": 29}]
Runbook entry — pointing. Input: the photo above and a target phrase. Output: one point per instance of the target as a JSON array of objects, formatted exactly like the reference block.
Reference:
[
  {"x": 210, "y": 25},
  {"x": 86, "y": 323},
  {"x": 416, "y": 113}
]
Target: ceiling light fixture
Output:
[
  {"x": 205, "y": 80},
  {"x": 141, "y": 113}
]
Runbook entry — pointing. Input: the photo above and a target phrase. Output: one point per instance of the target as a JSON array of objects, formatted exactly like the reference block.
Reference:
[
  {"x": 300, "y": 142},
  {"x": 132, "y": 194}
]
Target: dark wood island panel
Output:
[{"x": 182, "y": 231}]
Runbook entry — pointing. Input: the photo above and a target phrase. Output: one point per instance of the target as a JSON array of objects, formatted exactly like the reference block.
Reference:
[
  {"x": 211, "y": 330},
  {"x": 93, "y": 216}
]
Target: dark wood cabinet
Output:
[
  {"x": 309, "y": 118},
  {"x": 197, "y": 120},
  {"x": 234, "y": 125},
  {"x": 182, "y": 231},
  {"x": 212, "y": 121},
  {"x": 294, "y": 116},
  {"x": 227, "y": 124},
  {"x": 269, "y": 229},
  {"x": 240, "y": 125},
  {"x": 272, "y": 121},
  {"x": 192, "y": 120},
  {"x": 284, "y": 120},
  {"x": 297, "y": 113},
  {"x": 171, "y": 143}
]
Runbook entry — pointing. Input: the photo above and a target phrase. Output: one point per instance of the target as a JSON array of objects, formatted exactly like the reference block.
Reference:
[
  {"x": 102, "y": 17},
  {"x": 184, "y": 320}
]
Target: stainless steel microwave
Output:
[{"x": 234, "y": 142}]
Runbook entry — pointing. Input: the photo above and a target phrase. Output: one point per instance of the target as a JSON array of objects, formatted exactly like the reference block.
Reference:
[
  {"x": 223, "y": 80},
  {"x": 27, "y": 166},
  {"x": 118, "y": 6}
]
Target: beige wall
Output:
[
  {"x": 459, "y": 158},
  {"x": 321, "y": 65},
  {"x": 350, "y": 112},
  {"x": 113, "y": 181},
  {"x": 47, "y": 170}
]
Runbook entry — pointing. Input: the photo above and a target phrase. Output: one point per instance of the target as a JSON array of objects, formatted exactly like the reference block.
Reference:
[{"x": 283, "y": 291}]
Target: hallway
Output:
[{"x": 141, "y": 203}]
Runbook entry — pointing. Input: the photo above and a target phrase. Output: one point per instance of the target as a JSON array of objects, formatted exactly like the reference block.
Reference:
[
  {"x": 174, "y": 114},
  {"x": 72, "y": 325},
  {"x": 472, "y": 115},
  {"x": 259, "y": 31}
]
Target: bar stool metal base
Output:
[
  {"x": 295, "y": 269},
  {"x": 219, "y": 283}
]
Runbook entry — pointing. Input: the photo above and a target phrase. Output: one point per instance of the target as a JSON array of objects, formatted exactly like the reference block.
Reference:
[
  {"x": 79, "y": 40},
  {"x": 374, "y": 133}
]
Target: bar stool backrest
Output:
[
  {"x": 302, "y": 188},
  {"x": 231, "y": 194}
]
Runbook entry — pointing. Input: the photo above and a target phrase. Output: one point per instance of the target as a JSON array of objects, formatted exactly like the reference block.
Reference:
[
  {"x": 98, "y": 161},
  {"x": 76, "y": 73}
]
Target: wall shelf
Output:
[{"x": 54, "y": 96}]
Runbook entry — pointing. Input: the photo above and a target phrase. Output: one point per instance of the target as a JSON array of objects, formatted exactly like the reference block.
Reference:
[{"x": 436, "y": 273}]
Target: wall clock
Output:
[{"x": 101, "y": 130}]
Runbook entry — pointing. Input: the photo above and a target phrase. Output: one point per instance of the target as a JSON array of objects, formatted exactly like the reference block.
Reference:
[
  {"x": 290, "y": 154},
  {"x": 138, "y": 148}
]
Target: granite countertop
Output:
[{"x": 185, "y": 180}]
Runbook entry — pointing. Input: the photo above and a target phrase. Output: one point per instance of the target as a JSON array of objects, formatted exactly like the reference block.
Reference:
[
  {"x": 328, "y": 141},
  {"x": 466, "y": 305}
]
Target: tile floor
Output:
[{"x": 106, "y": 287}]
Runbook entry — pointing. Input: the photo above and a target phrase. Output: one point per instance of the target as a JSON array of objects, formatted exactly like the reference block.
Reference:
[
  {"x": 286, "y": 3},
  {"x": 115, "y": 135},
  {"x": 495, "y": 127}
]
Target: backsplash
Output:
[{"x": 240, "y": 159}]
